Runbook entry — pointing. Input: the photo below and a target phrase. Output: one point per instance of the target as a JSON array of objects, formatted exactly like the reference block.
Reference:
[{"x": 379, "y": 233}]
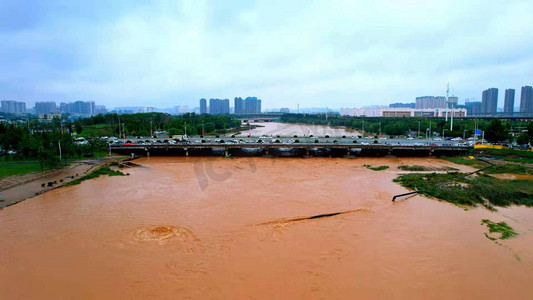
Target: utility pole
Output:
[
  {"x": 363, "y": 128},
  {"x": 418, "y": 135},
  {"x": 379, "y": 129},
  {"x": 451, "y": 123},
  {"x": 119, "y": 132},
  {"x": 59, "y": 144},
  {"x": 447, "y": 100},
  {"x": 430, "y": 127}
]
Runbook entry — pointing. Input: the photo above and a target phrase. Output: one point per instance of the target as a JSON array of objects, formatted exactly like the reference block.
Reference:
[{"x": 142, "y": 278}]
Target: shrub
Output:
[
  {"x": 327, "y": 136},
  {"x": 203, "y": 141},
  {"x": 316, "y": 141},
  {"x": 232, "y": 135},
  {"x": 335, "y": 141},
  {"x": 43, "y": 184},
  {"x": 60, "y": 180},
  {"x": 355, "y": 141},
  {"x": 343, "y": 136},
  {"x": 277, "y": 141},
  {"x": 295, "y": 136},
  {"x": 296, "y": 141},
  {"x": 376, "y": 142},
  {"x": 50, "y": 183}
]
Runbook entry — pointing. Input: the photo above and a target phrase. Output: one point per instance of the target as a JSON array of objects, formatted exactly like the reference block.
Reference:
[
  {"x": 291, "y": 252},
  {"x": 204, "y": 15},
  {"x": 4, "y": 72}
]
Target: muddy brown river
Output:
[{"x": 216, "y": 228}]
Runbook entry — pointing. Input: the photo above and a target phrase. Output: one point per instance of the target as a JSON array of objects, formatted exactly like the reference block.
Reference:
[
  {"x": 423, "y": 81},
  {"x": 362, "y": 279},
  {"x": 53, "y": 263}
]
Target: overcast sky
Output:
[{"x": 315, "y": 53}]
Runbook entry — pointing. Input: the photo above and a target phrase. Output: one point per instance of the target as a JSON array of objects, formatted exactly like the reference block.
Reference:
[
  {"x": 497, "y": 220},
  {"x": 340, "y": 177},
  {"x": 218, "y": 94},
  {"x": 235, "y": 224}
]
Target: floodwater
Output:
[
  {"x": 216, "y": 228},
  {"x": 284, "y": 129}
]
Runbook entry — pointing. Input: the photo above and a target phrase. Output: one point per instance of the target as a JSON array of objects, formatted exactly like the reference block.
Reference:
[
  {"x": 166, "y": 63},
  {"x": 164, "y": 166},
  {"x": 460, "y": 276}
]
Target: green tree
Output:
[
  {"x": 530, "y": 131},
  {"x": 522, "y": 139},
  {"x": 496, "y": 132}
]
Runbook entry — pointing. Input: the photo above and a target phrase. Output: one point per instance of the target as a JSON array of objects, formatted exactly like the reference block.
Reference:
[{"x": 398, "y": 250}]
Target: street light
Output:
[
  {"x": 464, "y": 132},
  {"x": 443, "y": 132}
]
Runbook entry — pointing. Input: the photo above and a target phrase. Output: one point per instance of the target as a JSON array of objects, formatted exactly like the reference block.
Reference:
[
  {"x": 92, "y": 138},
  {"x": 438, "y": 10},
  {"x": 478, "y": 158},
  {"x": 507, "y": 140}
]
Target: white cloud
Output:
[{"x": 321, "y": 53}]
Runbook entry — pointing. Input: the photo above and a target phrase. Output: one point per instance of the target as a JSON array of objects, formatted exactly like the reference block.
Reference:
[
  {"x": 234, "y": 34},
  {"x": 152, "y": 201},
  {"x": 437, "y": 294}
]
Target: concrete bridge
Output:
[{"x": 296, "y": 149}]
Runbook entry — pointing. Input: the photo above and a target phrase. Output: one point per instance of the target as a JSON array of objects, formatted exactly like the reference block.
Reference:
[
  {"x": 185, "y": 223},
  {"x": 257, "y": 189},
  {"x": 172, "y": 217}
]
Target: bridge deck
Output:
[{"x": 370, "y": 148}]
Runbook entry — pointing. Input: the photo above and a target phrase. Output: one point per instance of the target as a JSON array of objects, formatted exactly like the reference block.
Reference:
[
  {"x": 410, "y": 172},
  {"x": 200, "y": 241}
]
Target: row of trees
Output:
[
  {"x": 45, "y": 142},
  {"x": 143, "y": 123},
  {"x": 495, "y": 130}
]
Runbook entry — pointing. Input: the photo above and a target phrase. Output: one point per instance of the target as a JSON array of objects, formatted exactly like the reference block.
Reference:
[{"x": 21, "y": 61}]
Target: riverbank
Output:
[{"x": 14, "y": 189}]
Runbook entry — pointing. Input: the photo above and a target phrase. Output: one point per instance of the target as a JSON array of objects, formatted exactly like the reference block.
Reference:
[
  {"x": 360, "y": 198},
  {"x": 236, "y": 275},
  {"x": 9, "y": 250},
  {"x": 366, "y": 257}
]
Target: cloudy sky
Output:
[{"x": 315, "y": 53}]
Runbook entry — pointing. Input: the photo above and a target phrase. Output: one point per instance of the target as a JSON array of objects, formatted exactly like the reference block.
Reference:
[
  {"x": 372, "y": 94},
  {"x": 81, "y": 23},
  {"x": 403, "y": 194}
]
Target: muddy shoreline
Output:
[{"x": 15, "y": 189}]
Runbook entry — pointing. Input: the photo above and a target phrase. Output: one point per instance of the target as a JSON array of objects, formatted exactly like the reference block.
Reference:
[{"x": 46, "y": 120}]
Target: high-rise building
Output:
[
  {"x": 430, "y": 102},
  {"x": 452, "y": 101},
  {"x": 473, "y": 108},
  {"x": 219, "y": 106},
  {"x": 239, "y": 106},
  {"x": 14, "y": 107},
  {"x": 489, "y": 101},
  {"x": 252, "y": 105},
  {"x": 508, "y": 106},
  {"x": 526, "y": 100},
  {"x": 78, "y": 107},
  {"x": 203, "y": 106},
  {"x": 44, "y": 107}
]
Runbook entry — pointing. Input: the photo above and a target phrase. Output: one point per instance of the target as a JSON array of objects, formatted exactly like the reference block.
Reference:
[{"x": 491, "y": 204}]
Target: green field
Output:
[{"x": 18, "y": 169}]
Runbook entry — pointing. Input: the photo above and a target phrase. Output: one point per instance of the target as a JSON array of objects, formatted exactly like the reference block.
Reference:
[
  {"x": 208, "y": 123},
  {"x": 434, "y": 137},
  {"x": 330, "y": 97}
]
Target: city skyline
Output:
[{"x": 340, "y": 53}]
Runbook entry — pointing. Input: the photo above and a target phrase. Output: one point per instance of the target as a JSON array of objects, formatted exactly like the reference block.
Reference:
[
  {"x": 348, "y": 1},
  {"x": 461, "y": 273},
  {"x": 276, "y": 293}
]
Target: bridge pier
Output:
[
  {"x": 186, "y": 151},
  {"x": 307, "y": 152},
  {"x": 226, "y": 153}
]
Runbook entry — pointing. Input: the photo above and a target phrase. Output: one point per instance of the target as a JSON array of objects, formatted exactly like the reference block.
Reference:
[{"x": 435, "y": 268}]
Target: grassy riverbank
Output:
[
  {"x": 417, "y": 168},
  {"x": 95, "y": 174},
  {"x": 18, "y": 169},
  {"x": 470, "y": 190}
]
